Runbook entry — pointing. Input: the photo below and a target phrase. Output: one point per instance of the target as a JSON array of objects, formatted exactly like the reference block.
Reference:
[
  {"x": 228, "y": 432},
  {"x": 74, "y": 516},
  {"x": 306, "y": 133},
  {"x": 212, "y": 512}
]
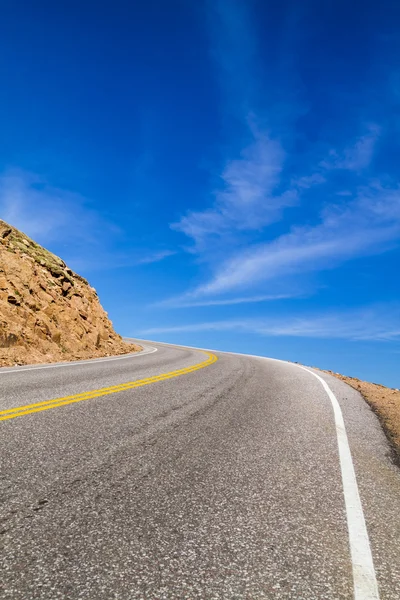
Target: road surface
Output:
[{"x": 178, "y": 474}]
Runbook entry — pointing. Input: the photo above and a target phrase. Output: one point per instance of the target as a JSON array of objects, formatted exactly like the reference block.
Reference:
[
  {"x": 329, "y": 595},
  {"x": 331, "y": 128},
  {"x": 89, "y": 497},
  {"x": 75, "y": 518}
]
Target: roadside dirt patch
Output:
[{"x": 386, "y": 404}]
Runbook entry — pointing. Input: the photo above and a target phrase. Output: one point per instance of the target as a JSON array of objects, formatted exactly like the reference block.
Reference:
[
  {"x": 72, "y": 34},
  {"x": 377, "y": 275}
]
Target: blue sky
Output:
[{"x": 224, "y": 173}]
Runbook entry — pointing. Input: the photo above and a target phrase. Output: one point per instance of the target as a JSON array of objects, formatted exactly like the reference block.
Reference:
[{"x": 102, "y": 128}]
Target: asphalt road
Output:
[{"x": 222, "y": 481}]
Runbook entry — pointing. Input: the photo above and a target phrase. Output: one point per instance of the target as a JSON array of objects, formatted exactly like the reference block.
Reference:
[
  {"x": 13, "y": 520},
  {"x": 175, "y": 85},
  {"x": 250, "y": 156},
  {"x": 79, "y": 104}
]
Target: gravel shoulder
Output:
[{"x": 385, "y": 402}]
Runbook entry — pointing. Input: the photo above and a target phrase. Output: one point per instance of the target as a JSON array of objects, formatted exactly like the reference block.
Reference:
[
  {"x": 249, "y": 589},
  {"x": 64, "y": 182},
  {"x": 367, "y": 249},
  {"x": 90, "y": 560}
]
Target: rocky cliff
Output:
[{"x": 48, "y": 313}]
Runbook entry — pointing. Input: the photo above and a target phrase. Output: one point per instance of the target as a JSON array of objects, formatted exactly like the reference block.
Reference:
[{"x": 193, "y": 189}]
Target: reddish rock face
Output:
[{"x": 48, "y": 313}]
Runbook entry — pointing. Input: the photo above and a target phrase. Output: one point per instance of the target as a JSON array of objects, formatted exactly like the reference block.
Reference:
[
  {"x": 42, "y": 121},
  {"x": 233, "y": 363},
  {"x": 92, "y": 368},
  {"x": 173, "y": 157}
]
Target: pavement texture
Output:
[{"x": 223, "y": 483}]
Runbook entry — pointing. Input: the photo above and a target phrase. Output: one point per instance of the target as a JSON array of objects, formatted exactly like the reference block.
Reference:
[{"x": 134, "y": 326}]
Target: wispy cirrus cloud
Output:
[
  {"x": 255, "y": 190},
  {"x": 362, "y": 221},
  {"x": 189, "y": 301},
  {"x": 68, "y": 223},
  {"x": 357, "y": 156},
  {"x": 247, "y": 199},
  {"x": 377, "y": 323},
  {"x": 349, "y": 212},
  {"x": 249, "y": 195},
  {"x": 368, "y": 225},
  {"x": 45, "y": 212}
]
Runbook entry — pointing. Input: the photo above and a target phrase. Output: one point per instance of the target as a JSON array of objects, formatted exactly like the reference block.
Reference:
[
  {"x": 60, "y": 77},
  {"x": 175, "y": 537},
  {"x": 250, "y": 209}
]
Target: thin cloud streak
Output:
[
  {"x": 369, "y": 324},
  {"x": 155, "y": 257},
  {"x": 234, "y": 49},
  {"x": 186, "y": 301},
  {"x": 114, "y": 261}
]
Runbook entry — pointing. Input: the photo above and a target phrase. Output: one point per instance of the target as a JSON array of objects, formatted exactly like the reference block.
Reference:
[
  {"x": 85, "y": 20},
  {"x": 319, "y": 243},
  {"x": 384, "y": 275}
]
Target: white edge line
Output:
[
  {"x": 78, "y": 363},
  {"x": 364, "y": 577}
]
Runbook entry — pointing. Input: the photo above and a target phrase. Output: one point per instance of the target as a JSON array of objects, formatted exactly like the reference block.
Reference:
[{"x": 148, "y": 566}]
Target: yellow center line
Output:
[{"x": 20, "y": 411}]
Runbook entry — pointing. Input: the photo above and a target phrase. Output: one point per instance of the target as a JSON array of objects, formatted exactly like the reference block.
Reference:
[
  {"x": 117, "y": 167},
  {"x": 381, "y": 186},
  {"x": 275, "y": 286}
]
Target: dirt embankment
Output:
[
  {"x": 48, "y": 313},
  {"x": 386, "y": 404}
]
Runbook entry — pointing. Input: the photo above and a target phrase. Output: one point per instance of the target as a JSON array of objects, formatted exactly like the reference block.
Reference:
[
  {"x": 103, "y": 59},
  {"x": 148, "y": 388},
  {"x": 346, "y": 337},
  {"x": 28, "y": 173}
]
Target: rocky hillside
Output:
[{"x": 48, "y": 313}]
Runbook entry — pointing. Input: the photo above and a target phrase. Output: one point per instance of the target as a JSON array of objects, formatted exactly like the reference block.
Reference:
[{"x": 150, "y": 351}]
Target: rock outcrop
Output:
[{"x": 48, "y": 313}]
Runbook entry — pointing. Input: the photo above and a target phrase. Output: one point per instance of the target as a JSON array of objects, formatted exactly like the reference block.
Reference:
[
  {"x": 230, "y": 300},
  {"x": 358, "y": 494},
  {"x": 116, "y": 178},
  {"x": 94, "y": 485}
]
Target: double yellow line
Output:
[{"x": 20, "y": 411}]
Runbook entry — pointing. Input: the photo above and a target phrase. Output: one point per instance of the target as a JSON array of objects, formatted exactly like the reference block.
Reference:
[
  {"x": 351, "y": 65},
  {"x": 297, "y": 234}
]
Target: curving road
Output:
[{"x": 173, "y": 475}]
